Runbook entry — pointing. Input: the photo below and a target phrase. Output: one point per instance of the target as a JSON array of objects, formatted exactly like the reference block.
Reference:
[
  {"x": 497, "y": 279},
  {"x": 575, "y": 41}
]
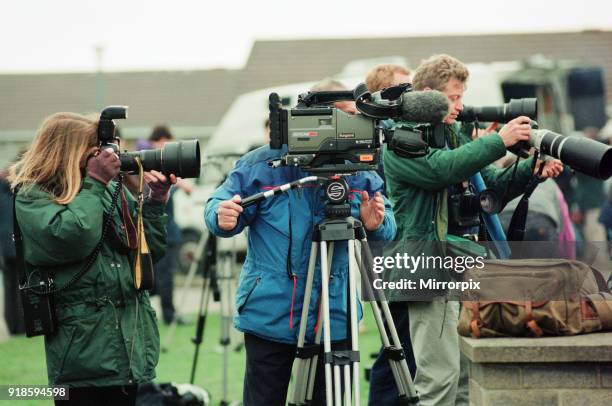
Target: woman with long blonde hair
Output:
[{"x": 106, "y": 340}]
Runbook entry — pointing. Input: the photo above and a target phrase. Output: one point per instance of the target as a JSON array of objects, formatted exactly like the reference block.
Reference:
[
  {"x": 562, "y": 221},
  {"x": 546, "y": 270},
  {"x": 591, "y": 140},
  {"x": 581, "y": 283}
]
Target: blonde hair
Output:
[
  {"x": 437, "y": 70},
  {"x": 58, "y": 153},
  {"x": 381, "y": 76}
]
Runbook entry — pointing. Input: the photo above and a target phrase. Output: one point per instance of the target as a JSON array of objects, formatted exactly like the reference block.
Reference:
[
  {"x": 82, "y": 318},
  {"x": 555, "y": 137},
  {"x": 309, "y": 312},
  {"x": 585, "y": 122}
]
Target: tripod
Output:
[
  {"x": 217, "y": 263},
  {"x": 341, "y": 367}
]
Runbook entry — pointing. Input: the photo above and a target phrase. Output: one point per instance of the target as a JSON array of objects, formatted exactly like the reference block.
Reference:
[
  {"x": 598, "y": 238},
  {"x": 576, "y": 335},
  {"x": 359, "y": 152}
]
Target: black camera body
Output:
[
  {"x": 464, "y": 209},
  {"x": 179, "y": 158}
]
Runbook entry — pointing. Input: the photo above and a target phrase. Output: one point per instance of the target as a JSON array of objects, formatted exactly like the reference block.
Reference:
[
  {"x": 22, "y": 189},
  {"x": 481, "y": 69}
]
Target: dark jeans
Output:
[
  {"x": 164, "y": 281},
  {"x": 383, "y": 390},
  {"x": 268, "y": 371},
  {"x": 101, "y": 396}
]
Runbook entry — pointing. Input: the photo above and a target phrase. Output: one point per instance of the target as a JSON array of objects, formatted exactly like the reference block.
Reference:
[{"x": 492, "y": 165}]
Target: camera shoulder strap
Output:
[
  {"x": 143, "y": 264},
  {"x": 516, "y": 229},
  {"x": 38, "y": 308},
  {"x": 18, "y": 241}
]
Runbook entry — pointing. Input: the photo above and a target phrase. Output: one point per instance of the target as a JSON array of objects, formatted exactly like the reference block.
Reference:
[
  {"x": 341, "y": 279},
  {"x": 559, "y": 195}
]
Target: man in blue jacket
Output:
[{"x": 271, "y": 287}]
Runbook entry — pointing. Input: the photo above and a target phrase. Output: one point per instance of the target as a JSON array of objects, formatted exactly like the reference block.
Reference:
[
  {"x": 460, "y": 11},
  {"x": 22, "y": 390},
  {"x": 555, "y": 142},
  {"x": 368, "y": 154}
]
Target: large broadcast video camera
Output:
[{"x": 324, "y": 139}]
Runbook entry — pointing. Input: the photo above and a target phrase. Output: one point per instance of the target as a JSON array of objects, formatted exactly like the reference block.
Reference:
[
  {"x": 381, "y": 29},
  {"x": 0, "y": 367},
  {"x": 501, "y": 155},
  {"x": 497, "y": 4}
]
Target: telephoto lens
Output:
[
  {"x": 501, "y": 114},
  {"x": 179, "y": 158},
  {"x": 582, "y": 154}
]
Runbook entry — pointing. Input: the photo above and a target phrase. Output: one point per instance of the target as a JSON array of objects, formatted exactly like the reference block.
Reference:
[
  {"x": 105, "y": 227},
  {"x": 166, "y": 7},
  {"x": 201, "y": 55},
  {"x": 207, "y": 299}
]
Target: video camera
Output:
[
  {"x": 324, "y": 139},
  {"x": 179, "y": 158}
]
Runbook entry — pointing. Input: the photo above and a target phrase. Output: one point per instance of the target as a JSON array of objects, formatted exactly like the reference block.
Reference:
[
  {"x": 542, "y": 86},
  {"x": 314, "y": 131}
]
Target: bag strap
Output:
[
  {"x": 143, "y": 263},
  {"x": 602, "y": 302},
  {"x": 18, "y": 241},
  {"x": 530, "y": 320},
  {"x": 476, "y": 322},
  {"x": 516, "y": 229}
]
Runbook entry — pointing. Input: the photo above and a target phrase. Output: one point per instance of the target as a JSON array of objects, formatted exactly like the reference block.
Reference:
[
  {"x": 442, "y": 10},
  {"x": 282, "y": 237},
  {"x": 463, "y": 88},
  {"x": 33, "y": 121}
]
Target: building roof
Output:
[
  {"x": 198, "y": 99},
  {"x": 275, "y": 62},
  {"x": 183, "y": 98}
]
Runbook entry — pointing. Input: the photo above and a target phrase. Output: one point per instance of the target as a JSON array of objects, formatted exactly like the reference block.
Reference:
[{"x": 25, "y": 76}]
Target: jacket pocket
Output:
[
  {"x": 91, "y": 351},
  {"x": 246, "y": 288},
  {"x": 151, "y": 335}
]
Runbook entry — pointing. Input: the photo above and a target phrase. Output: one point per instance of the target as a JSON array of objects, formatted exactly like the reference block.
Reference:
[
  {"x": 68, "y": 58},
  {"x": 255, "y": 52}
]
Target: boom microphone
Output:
[{"x": 424, "y": 107}]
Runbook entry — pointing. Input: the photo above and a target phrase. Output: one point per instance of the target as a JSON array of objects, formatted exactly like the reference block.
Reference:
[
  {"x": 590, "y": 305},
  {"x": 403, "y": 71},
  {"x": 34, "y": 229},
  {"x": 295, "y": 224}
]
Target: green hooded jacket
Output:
[
  {"x": 417, "y": 187},
  {"x": 418, "y": 191},
  {"x": 107, "y": 331}
]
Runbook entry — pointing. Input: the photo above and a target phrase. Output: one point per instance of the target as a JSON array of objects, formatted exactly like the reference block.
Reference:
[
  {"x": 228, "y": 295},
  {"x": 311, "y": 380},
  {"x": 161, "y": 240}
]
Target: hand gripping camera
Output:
[
  {"x": 179, "y": 158},
  {"x": 582, "y": 154}
]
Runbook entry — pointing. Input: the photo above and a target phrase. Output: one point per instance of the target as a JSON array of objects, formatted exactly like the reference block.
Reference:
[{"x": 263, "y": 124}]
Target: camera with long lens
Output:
[
  {"x": 324, "y": 139},
  {"x": 502, "y": 114},
  {"x": 582, "y": 154},
  {"x": 179, "y": 158}
]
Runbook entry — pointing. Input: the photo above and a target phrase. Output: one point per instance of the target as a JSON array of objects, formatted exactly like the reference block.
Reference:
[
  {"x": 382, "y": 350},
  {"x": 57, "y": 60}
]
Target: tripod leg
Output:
[
  {"x": 326, "y": 327},
  {"x": 337, "y": 385},
  {"x": 302, "y": 366},
  {"x": 225, "y": 275},
  {"x": 354, "y": 323},
  {"x": 314, "y": 364},
  {"x": 193, "y": 268},
  {"x": 317, "y": 340},
  {"x": 399, "y": 366},
  {"x": 379, "y": 320},
  {"x": 197, "y": 340}
]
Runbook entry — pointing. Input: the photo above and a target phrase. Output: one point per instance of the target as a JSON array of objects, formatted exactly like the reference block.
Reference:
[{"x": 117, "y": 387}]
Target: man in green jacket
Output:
[
  {"x": 418, "y": 190},
  {"x": 107, "y": 339}
]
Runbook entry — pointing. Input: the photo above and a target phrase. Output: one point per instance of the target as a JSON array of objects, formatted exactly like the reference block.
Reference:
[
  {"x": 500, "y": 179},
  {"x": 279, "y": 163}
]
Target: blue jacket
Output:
[{"x": 268, "y": 301}]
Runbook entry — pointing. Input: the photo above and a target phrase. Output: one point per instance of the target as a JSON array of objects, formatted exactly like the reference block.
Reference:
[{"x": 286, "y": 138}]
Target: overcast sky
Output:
[{"x": 62, "y": 35}]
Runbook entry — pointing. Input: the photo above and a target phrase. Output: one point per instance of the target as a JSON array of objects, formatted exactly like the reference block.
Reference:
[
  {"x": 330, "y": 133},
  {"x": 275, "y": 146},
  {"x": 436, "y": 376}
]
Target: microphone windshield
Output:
[{"x": 424, "y": 107}]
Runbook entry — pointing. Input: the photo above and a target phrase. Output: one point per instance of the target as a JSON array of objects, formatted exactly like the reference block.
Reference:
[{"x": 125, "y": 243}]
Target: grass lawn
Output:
[{"x": 23, "y": 361}]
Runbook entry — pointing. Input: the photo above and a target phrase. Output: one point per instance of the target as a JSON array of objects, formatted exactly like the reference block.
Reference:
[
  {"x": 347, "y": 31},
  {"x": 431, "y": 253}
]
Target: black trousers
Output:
[
  {"x": 101, "y": 396},
  {"x": 13, "y": 310},
  {"x": 164, "y": 281},
  {"x": 268, "y": 371}
]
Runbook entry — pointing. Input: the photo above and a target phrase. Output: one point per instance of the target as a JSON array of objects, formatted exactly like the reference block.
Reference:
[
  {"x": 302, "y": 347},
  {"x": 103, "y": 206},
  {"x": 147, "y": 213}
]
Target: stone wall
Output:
[{"x": 559, "y": 371}]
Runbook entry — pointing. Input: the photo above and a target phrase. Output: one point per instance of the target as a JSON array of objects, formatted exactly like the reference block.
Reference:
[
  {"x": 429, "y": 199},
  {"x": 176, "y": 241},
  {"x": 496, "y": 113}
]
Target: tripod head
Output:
[{"x": 337, "y": 193}]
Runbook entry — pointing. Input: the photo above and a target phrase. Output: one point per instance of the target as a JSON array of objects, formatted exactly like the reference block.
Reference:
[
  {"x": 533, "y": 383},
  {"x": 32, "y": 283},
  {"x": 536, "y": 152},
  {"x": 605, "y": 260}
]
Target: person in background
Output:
[
  {"x": 588, "y": 198},
  {"x": 13, "y": 311},
  {"x": 166, "y": 267},
  {"x": 383, "y": 390},
  {"x": 386, "y": 75}
]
